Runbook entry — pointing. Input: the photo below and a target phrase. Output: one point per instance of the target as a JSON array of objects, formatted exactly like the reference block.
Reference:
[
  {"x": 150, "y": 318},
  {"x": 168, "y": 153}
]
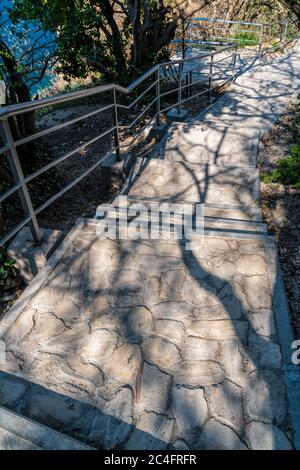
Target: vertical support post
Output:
[
  {"x": 116, "y": 125},
  {"x": 180, "y": 87},
  {"x": 211, "y": 68},
  {"x": 190, "y": 87},
  {"x": 190, "y": 29},
  {"x": 234, "y": 62},
  {"x": 285, "y": 31},
  {"x": 261, "y": 33},
  {"x": 157, "y": 76},
  {"x": 19, "y": 178}
]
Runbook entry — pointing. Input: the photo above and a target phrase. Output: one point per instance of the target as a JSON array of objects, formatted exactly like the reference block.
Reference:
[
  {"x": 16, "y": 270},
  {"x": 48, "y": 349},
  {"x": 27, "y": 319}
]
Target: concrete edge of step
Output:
[
  {"x": 216, "y": 232},
  {"x": 38, "y": 434},
  {"x": 286, "y": 338}
]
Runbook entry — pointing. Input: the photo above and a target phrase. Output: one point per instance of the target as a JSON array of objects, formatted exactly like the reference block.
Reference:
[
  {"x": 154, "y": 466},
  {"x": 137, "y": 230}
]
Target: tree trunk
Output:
[{"x": 24, "y": 124}]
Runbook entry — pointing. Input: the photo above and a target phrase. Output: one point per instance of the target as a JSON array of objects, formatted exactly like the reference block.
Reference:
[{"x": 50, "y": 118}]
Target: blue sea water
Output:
[{"x": 12, "y": 34}]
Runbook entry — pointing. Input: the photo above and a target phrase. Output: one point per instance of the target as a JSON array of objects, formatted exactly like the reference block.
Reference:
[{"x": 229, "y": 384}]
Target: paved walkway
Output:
[{"x": 143, "y": 344}]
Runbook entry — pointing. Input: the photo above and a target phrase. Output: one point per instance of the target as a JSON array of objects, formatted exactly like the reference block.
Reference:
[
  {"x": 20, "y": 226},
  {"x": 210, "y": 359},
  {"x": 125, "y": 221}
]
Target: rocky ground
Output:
[{"x": 281, "y": 207}]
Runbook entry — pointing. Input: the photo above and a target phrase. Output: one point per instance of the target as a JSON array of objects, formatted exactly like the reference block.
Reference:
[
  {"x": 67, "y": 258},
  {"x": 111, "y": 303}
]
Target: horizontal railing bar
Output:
[
  {"x": 123, "y": 106},
  {"x": 20, "y": 108},
  {"x": 14, "y": 231},
  {"x": 216, "y": 20},
  {"x": 4, "y": 149},
  {"x": 221, "y": 60},
  {"x": 25, "y": 140},
  {"x": 197, "y": 94},
  {"x": 140, "y": 80},
  {"x": 67, "y": 155},
  {"x": 69, "y": 186},
  {"x": 15, "y": 109},
  {"x": 129, "y": 126},
  {"x": 141, "y": 131},
  {"x": 9, "y": 192},
  {"x": 234, "y": 39},
  {"x": 216, "y": 28}
]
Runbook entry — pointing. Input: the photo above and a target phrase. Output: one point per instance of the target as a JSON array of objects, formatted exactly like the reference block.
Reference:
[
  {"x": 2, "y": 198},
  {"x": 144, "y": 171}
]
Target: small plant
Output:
[
  {"x": 6, "y": 267},
  {"x": 288, "y": 171}
]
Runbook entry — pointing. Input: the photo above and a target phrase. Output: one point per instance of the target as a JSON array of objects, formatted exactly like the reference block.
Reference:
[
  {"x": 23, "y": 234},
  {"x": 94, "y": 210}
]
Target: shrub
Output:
[{"x": 288, "y": 171}]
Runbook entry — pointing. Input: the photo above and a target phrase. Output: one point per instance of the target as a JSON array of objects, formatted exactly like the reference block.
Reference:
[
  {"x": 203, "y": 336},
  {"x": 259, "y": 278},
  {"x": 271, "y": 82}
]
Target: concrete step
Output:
[
  {"x": 159, "y": 215},
  {"x": 10, "y": 441},
  {"x": 210, "y": 143},
  {"x": 184, "y": 182},
  {"x": 175, "y": 235},
  {"x": 234, "y": 110},
  {"x": 20, "y": 433}
]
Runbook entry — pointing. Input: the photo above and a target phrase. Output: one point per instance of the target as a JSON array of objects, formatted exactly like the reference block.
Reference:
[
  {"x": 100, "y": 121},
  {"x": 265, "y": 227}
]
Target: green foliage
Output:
[
  {"x": 6, "y": 266},
  {"x": 246, "y": 39},
  {"x": 103, "y": 38},
  {"x": 288, "y": 171}
]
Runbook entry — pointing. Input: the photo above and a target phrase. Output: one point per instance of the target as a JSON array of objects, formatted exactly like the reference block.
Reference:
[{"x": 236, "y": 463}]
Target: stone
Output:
[
  {"x": 17, "y": 431},
  {"x": 219, "y": 329},
  {"x": 98, "y": 346},
  {"x": 178, "y": 311},
  {"x": 160, "y": 352},
  {"x": 11, "y": 441},
  {"x": 153, "y": 394},
  {"x": 125, "y": 281},
  {"x": 180, "y": 444},
  {"x": 217, "y": 436},
  {"x": 258, "y": 292},
  {"x": 232, "y": 360},
  {"x": 212, "y": 312},
  {"x": 31, "y": 257},
  {"x": 12, "y": 389},
  {"x": 54, "y": 410},
  {"x": 226, "y": 405},
  {"x": 250, "y": 265},
  {"x": 136, "y": 323},
  {"x": 21, "y": 328},
  {"x": 198, "y": 373},
  {"x": 174, "y": 115},
  {"x": 198, "y": 349},
  {"x": 264, "y": 397},
  {"x": 230, "y": 302},
  {"x": 264, "y": 436},
  {"x": 189, "y": 409},
  {"x": 170, "y": 330},
  {"x": 112, "y": 426},
  {"x": 262, "y": 322},
  {"x": 88, "y": 372},
  {"x": 122, "y": 365},
  {"x": 152, "y": 432},
  {"x": 263, "y": 352}
]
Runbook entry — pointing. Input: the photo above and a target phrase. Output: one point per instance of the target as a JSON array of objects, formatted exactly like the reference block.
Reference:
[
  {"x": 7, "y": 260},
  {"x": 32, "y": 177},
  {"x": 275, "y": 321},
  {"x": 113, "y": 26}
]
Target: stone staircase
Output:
[
  {"x": 142, "y": 344},
  {"x": 20, "y": 433}
]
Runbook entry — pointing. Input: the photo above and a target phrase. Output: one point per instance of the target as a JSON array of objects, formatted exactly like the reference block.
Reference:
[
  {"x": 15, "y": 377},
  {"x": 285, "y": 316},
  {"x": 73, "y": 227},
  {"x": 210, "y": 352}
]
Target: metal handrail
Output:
[
  {"x": 10, "y": 148},
  {"x": 258, "y": 30}
]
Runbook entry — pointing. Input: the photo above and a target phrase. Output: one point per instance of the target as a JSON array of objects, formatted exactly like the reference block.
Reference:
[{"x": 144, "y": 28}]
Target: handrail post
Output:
[
  {"x": 234, "y": 62},
  {"x": 260, "y": 40},
  {"x": 180, "y": 87},
  {"x": 285, "y": 31},
  {"x": 211, "y": 67},
  {"x": 19, "y": 179},
  {"x": 158, "y": 96},
  {"x": 116, "y": 125}
]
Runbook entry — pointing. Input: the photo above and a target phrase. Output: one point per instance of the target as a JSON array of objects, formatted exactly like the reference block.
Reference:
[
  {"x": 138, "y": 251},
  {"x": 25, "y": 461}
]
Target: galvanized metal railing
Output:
[
  {"x": 190, "y": 78},
  {"x": 244, "y": 34},
  {"x": 217, "y": 30}
]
